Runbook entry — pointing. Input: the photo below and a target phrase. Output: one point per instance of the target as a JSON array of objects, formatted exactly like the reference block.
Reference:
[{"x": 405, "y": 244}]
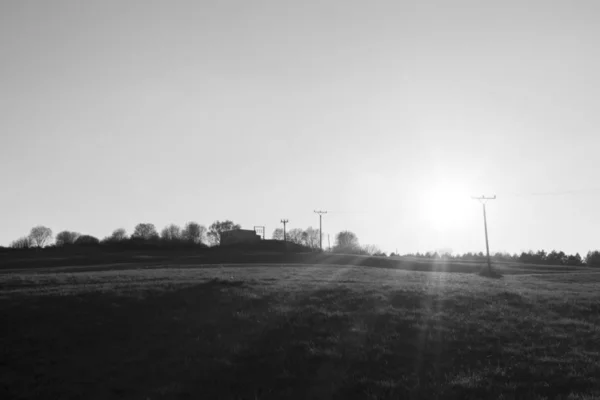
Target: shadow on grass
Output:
[
  {"x": 226, "y": 339},
  {"x": 493, "y": 274}
]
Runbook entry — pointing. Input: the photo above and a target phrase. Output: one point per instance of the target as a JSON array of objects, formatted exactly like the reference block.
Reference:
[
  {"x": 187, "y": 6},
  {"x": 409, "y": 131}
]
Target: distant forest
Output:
[
  {"x": 540, "y": 257},
  {"x": 194, "y": 234}
]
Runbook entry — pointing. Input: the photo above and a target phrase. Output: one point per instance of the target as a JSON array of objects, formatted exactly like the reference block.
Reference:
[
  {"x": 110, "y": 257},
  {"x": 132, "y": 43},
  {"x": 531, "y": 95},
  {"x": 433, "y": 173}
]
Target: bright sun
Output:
[{"x": 446, "y": 206}]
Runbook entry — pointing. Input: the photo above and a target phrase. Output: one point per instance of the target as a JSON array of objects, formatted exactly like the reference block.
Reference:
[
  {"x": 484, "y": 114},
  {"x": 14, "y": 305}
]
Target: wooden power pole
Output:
[
  {"x": 483, "y": 200},
  {"x": 320, "y": 227},
  {"x": 284, "y": 221}
]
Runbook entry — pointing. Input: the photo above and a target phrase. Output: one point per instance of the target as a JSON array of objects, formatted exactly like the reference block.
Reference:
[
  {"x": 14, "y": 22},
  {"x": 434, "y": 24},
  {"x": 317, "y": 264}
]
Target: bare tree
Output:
[
  {"x": 371, "y": 249},
  {"x": 574, "y": 260},
  {"x": 278, "y": 234},
  {"x": 21, "y": 243},
  {"x": 295, "y": 235},
  {"x": 194, "y": 232},
  {"x": 40, "y": 236},
  {"x": 218, "y": 227},
  {"x": 145, "y": 231},
  {"x": 311, "y": 238},
  {"x": 308, "y": 237},
  {"x": 171, "y": 233},
  {"x": 66, "y": 238}
]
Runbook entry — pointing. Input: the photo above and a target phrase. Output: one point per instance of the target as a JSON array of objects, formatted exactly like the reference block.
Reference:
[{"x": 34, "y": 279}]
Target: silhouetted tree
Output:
[
  {"x": 311, "y": 238},
  {"x": 218, "y": 227},
  {"x": 574, "y": 260},
  {"x": 593, "y": 258},
  {"x": 145, "y": 231},
  {"x": 171, "y": 233},
  {"x": 194, "y": 232},
  {"x": 346, "y": 241},
  {"x": 533, "y": 258},
  {"x": 118, "y": 235},
  {"x": 371, "y": 249},
  {"x": 502, "y": 256},
  {"x": 40, "y": 236},
  {"x": 295, "y": 235},
  {"x": 86, "y": 240},
  {"x": 65, "y": 238},
  {"x": 556, "y": 258},
  {"x": 277, "y": 234},
  {"x": 21, "y": 243},
  {"x": 541, "y": 256}
]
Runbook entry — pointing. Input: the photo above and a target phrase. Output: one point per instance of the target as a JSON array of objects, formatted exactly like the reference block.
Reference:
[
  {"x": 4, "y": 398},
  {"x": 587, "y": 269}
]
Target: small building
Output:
[{"x": 237, "y": 236}]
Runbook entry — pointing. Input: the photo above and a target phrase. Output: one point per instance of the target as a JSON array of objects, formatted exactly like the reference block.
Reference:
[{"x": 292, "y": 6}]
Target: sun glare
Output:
[{"x": 446, "y": 206}]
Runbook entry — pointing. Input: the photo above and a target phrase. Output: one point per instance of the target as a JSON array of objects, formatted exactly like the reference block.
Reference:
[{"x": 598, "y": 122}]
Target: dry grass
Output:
[{"x": 298, "y": 332}]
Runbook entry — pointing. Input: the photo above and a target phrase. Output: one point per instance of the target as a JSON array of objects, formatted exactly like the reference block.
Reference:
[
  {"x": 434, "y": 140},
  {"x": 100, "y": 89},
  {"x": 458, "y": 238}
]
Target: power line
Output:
[
  {"x": 557, "y": 192},
  {"x": 483, "y": 200},
  {"x": 320, "y": 227},
  {"x": 284, "y": 221}
]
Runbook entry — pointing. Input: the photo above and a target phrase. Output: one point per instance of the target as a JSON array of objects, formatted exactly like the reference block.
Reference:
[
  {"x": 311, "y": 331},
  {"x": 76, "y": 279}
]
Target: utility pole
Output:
[
  {"x": 483, "y": 200},
  {"x": 284, "y": 221},
  {"x": 320, "y": 227}
]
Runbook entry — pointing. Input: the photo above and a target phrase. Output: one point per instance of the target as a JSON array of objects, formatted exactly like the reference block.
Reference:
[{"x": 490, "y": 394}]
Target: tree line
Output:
[
  {"x": 308, "y": 237},
  {"x": 554, "y": 257},
  {"x": 346, "y": 242},
  {"x": 192, "y": 233}
]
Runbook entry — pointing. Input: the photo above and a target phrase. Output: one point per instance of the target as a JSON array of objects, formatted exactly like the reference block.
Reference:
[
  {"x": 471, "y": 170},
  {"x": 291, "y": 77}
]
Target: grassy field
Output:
[
  {"x": 74, "y": 259},
  {"x": 298, "y": 332}
]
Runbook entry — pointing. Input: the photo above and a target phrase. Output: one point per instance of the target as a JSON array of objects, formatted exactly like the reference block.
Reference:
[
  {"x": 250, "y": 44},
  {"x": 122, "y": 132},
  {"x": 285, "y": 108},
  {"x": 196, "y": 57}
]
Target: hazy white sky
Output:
[{"x": 389, "y": 115}]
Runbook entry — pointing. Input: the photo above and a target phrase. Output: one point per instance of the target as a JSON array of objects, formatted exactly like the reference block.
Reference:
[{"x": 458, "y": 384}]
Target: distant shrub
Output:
[
  {"x": 194, "y": 233},
  {"x": 346, "y": 242},
  {"x": 145, "y": 231},
  {"x": 87, "y": 240},
  {"x": 371, "y": 249},
  {"x": 118, "y": 235},
  {"x": 65, "y": 238}
]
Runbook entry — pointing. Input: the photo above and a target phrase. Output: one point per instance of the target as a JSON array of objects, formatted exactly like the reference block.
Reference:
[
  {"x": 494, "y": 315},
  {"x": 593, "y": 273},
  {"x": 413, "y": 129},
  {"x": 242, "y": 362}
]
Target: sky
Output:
[{"x": 390, "y": 115}]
